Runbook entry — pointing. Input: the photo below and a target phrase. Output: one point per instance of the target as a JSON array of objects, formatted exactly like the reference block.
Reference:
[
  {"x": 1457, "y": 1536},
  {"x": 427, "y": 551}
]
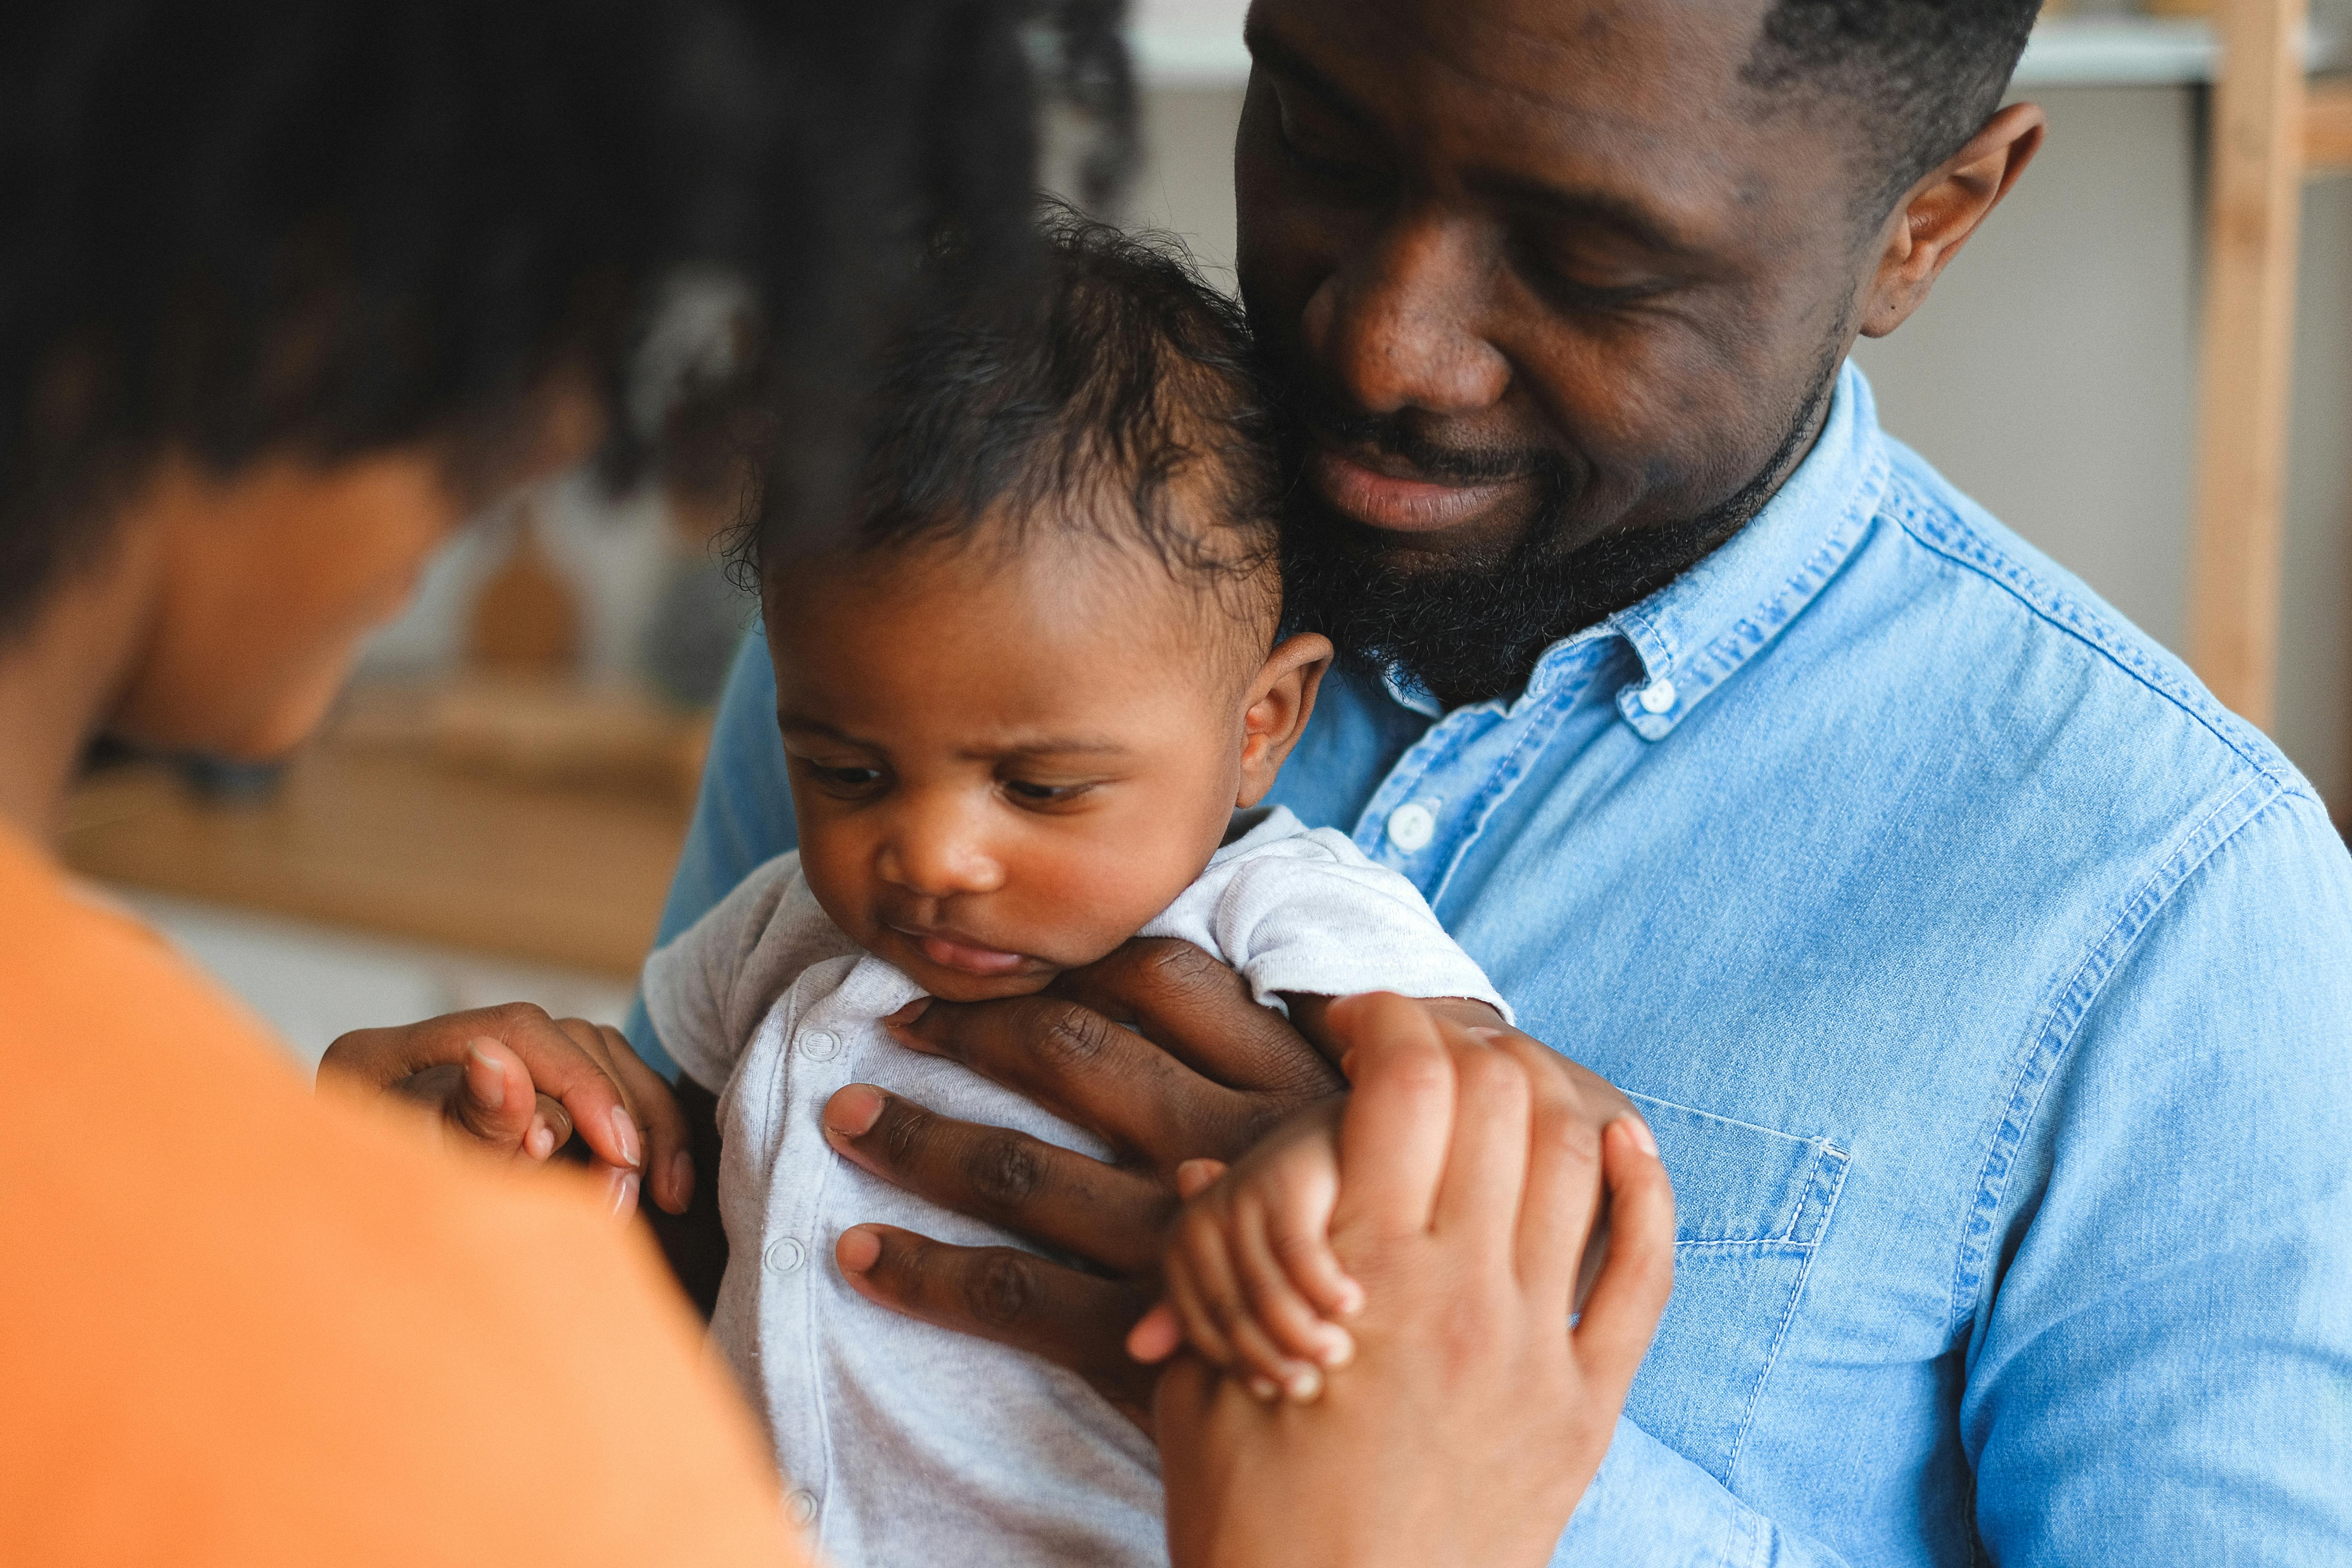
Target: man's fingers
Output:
[
  {"x": 1078, "y": 1064},
  {"x": 1622, "y": 1314},
  {"x": 1399, "y": 1115},
  {"x": 1202, "y": 1013},
  {"x": 1054, "y": 1195},
  {"x": 1074, "y": 1321}
]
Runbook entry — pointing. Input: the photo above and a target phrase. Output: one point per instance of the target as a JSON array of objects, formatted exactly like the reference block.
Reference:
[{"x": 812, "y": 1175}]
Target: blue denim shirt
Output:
[{"x": 1988, "y": 988}]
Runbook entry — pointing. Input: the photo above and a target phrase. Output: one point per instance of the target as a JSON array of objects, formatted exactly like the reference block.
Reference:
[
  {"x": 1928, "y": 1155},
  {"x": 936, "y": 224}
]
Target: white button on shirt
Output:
[
  {"x": 784, "y": 1255},
  {"x": 800, "y": 1507},
  {"x": 821, "y": 1045},
  {"x": 1411, "y": 825},
  {"x": 1658, "y": 695}
]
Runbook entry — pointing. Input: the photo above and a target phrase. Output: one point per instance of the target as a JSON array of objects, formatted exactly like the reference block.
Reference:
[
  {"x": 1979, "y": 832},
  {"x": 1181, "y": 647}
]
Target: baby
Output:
[{"x": 1030, "y": 706}]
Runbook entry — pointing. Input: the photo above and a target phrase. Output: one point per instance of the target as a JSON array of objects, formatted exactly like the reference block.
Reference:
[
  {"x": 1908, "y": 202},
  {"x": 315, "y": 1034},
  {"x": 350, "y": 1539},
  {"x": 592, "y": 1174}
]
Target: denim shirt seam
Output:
[
  {"x": 1943, "y": 530},
  {"x": 2062, "y": 1015}
]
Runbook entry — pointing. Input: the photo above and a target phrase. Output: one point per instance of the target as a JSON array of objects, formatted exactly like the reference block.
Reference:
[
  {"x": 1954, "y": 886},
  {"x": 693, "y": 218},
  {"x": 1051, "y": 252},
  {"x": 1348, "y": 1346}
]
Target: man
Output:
[{"x": 1984, "y": 981}]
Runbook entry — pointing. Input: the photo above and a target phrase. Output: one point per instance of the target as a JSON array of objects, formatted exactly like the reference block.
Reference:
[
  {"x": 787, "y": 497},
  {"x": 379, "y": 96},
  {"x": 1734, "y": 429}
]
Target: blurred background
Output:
[{"x": 495, "y": 813}]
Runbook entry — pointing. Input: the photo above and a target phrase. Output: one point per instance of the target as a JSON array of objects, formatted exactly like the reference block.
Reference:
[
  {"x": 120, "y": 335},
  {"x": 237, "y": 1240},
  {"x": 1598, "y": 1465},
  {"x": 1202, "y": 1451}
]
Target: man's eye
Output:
[{"x": 1319, "y": 147}]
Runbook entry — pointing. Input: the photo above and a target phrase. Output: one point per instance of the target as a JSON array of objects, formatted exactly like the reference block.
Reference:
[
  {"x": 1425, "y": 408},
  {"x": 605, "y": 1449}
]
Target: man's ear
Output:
[
  {"x": 1280, "y": 700},
  {"x": 1943, "y": 210}
]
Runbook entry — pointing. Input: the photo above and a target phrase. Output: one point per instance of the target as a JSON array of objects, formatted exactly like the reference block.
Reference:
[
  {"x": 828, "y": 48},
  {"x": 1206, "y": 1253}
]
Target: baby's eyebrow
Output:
[
  {"x": 1054, "y": 746},
  {"x": 818, "y": 727}
]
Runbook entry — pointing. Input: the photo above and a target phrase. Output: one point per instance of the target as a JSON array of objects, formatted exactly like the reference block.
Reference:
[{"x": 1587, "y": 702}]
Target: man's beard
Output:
[{"x": 1473, "y": 628}]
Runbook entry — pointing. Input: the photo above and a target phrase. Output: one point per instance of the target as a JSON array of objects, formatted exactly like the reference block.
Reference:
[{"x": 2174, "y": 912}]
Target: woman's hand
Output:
[
  {"x": 514, "y": 1082},
  {"x": 1473, "y": 1415}
]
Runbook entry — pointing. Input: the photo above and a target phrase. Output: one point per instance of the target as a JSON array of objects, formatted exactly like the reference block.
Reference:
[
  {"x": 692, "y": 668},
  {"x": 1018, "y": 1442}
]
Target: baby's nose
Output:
[{"x": 940, "y": 858}]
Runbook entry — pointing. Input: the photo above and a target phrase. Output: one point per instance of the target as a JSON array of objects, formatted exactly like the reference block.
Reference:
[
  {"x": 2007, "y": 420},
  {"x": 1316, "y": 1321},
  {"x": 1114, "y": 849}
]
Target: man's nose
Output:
[
  {"x": 938, "y": 847},
  {"x": 1399, "y": 326}
]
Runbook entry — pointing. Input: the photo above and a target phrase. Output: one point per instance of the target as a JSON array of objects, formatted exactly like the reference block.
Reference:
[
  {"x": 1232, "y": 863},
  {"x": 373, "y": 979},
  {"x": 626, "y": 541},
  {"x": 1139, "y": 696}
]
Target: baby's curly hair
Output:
[
  {"x": 319, "y": 227},
  {"x": 1120, "y": 405}
]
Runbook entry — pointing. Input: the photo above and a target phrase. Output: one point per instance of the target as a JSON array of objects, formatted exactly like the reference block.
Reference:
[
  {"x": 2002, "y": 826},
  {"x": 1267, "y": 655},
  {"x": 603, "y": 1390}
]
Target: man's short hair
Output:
[
  {"x": 320, "y": 227},
  {"x": 1921, "y": 76}
]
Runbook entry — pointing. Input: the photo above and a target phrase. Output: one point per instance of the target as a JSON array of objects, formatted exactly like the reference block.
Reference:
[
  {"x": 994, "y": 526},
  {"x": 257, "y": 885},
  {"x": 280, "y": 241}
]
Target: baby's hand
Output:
[{"x": 1251, "y": 1278}]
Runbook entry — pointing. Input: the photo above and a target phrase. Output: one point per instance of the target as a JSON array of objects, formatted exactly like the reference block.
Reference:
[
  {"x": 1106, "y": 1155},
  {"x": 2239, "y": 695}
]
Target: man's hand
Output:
[
  {"x": 514, "y": 1082},
  {"x": 1204, "y": 1074},
  {"x": 1473, "y": 1416}
]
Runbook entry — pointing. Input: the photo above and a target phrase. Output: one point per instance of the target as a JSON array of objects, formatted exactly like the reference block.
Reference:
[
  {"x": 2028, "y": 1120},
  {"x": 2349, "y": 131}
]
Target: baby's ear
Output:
[{"x": 1281, "y": 697}]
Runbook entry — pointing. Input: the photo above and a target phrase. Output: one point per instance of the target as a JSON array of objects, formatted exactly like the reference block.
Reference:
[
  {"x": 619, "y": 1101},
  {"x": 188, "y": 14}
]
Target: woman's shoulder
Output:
[{"x": 224, "y": 1287}]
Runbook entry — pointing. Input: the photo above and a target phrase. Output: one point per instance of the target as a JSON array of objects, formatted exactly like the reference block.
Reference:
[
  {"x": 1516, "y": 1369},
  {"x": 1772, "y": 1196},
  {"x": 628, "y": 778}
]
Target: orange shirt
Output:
[{"x": 241, "y": 1325}]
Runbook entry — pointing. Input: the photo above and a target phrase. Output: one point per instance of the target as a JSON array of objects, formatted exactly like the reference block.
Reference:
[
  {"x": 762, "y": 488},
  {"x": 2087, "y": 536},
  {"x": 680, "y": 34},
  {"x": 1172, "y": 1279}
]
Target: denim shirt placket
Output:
[{"x": 1471, "y": 760}]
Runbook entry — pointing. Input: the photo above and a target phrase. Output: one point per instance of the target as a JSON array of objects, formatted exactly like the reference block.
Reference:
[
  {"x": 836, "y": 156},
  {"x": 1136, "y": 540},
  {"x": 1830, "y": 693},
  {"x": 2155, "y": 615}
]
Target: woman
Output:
[{"x": 288, "y": 287}]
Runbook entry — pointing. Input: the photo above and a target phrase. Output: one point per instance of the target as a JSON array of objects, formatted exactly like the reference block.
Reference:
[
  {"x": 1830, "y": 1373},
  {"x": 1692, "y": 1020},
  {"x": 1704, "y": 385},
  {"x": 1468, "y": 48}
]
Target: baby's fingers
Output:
[
  {"x": 1211, "y": 1297},
  {"x": 1288, "y": 1318}
]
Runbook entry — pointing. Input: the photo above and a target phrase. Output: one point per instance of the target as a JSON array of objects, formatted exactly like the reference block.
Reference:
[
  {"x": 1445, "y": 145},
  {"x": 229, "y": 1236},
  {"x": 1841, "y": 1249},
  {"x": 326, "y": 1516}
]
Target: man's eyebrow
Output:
[
  {"x": 1269, "y": 49},
  {"x": 1603, "y": 208}
]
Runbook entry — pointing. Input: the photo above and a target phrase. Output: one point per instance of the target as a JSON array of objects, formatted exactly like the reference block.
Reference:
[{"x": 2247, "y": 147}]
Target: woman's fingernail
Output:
[
  {"x": 484, "y": 1080},
  {"x": 1266, "y": 1389},
  {"x": 624, "y": 1194},
  {"x": 681, "y": 1178},
  {"x": 1303, "y": 1384},
  {"x": 1639, "y": 1130},
  {"x": 1352, "y": 1298},
  {"x": 898, "y": 1022},
  {"x": 624, "y": 1133},
  {"x": 540, "y": 1142},
  {"x": 853, "y": 1112},
  {"x": 1339, "y": 1348}
]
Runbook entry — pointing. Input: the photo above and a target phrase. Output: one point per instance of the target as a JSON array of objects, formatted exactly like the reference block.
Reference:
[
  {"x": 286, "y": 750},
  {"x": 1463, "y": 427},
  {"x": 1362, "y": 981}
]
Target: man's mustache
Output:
[{"x": 1318, "y": 420}]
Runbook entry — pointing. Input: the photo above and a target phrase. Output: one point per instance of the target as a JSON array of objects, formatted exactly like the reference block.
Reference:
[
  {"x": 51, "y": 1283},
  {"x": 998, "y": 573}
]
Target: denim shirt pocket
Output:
[{"x": 1751, "y": 1207}]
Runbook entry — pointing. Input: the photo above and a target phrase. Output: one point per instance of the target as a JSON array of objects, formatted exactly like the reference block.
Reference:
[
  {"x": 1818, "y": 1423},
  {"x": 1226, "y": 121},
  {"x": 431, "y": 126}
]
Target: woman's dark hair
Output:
[
  {"x": 1122, "y": 388},
  {"x": 319, "y": 227}
]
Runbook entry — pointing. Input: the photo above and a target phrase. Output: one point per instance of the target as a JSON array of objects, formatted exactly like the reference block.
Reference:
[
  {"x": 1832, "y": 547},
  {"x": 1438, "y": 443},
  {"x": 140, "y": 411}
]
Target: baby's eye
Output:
[
  {"x": 848, "y": 779},
  {"x": 1029, "y": 793}
]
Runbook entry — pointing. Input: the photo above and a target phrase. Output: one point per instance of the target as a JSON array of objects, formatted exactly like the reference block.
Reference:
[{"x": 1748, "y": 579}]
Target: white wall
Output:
[{"x": 2050, "y": 375}]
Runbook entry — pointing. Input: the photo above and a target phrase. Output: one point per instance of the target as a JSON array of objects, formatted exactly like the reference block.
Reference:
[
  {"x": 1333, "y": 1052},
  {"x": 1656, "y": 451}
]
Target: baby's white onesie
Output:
[{"x": 910, "y": 1444}]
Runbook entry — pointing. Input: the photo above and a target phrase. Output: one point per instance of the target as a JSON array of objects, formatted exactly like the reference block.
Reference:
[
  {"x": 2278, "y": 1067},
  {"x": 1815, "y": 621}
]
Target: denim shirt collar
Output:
[{"x": 1692, "y": 634}]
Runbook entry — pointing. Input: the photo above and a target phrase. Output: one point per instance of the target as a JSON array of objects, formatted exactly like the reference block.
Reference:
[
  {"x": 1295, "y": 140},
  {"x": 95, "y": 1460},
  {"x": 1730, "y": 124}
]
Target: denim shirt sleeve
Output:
[
  {"x": 2165, "y": 1356},
  {"x": 742, "y": 820},
  {"x": 2160, "y": 1366}
]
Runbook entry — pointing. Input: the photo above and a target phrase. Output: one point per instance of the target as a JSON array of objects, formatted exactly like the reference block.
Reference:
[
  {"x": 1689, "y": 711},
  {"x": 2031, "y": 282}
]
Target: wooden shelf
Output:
[{"x": 400, "y": 846}]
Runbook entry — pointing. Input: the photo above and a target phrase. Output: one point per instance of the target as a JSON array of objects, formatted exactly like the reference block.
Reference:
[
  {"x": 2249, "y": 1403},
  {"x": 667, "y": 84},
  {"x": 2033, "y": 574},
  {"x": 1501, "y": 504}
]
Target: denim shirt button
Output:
[
  {"x": 1658, "y": 695},
  {"x": 1411, "y": 825}
]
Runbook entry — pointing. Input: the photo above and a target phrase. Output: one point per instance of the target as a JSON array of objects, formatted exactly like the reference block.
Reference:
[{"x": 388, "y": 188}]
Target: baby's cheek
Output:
[{"x": 1094, "y": 901}]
